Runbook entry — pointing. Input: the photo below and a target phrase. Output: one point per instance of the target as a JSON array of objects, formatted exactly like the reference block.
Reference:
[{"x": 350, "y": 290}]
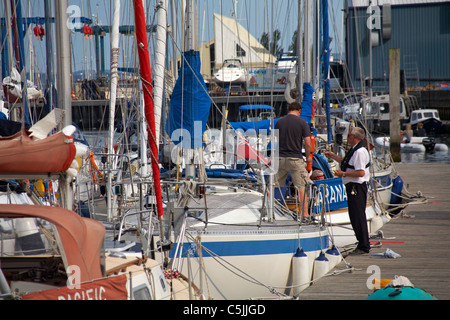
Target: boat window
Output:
[
  {"x": 29, "y": 253},
  {"x": 413, "y": 116},
  {"x": 27, "y": 236},
  {"x": 239, "y": 51},
  {"x": 419, "y": 116},
  {"x": 384, "y": 107},
  {"x": 428, "y": 114},
  {"x": 142, "y": 293},
  {"x": 436, "y": 115}
]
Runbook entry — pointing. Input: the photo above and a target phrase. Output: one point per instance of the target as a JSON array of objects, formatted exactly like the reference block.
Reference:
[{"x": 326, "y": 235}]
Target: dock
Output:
[{"x": 420, "y": 235}]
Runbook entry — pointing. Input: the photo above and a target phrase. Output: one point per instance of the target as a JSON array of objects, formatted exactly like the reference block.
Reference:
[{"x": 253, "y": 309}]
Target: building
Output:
[
  {"x": 232, "y": 41},
  {"x": 420, "y": 29}
]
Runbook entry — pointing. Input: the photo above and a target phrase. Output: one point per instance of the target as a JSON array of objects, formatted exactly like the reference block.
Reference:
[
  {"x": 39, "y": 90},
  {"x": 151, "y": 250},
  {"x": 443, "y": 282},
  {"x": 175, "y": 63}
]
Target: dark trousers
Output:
[{"x": 357, "y": 212}]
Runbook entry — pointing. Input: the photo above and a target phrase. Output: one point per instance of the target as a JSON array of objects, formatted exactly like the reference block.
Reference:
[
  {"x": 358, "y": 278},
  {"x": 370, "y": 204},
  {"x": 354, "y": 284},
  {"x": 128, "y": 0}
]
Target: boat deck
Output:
[{"x": 420, "y": 235}]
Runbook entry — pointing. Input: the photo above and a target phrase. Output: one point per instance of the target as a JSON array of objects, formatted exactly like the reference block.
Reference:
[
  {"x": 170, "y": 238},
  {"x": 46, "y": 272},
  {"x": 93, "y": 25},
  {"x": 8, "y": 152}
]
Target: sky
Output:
[{"x": 257, "y": 16}]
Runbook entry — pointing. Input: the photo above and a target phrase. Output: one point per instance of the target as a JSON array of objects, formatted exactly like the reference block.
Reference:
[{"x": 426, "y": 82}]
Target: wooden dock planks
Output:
[{"x": 421, "y": 236}]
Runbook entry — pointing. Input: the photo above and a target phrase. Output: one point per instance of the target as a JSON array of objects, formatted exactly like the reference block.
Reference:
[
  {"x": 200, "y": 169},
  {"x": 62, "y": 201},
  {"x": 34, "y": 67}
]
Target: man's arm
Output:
[
  {"x": 353, "y": 174},
  {"x": 334, "y": 156},
  {"x": 307, "y": 141}
]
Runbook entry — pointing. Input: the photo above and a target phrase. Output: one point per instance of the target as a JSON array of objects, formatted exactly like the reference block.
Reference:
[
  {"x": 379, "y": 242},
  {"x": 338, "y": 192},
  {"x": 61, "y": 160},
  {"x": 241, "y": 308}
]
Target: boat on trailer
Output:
[{"x": 231, "y": 73}]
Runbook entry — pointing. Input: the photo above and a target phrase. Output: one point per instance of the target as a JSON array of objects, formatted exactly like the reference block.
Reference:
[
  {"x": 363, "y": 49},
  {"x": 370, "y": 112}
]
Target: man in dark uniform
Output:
[
  {"x": 292, "y": 131},
  {"x": 355, "y": 175}
]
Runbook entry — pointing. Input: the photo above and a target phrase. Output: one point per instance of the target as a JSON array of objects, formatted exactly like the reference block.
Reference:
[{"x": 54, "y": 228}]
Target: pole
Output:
[
  {"x": 49, "y": 56},
  {"x": 63, "y": 61},
  {"x": 160, "y": 59},
  {"x": 299, "y": 52},
  {"x": 112, "y": 102},
  {"x": 394, "y": 104},
  {"x": 326, "y": 66},
  {"x": 146, "y": 79}
]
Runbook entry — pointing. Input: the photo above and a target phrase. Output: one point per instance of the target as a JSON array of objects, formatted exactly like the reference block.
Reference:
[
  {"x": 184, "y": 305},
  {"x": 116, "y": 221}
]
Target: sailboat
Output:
[
  {"x": 330, "y": 189},
  {"x": 72, "y": 244},
  {"x": 224, "y": 229}
]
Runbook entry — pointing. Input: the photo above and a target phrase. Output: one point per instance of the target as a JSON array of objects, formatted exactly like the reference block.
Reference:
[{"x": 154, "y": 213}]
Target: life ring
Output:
[{"x": 96, "y": 174}]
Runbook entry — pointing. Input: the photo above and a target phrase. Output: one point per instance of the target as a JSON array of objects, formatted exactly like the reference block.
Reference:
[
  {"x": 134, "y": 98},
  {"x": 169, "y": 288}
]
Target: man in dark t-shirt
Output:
[{"x": 292, "y": 131}]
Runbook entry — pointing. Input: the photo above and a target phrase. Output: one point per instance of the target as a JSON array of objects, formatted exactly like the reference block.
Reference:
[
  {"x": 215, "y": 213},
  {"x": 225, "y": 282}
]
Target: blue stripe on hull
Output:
[{"x": 255, "y": 247}]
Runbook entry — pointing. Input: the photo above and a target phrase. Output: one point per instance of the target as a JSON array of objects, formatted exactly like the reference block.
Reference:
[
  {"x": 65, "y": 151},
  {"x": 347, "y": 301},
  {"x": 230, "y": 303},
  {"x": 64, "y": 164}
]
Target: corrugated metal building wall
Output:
[{"x": 420, "y": 29}]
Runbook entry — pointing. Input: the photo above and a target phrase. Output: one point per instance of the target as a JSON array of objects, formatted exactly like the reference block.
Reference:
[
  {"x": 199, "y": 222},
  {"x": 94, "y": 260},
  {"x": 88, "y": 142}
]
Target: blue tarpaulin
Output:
[
  {"x": 255, "y": 107},
  {"x": 189, "y": 105}
]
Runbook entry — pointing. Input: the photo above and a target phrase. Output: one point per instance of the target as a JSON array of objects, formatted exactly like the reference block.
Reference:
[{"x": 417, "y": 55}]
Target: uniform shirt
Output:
[
  {"x": 359, "y": 160},
  {"x": 291, "y": 131}
]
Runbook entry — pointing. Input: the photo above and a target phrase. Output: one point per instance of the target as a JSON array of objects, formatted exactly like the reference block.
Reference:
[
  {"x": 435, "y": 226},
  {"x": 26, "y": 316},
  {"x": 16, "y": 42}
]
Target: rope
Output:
[
  {"x": 224, "y": 264},
  {"x": 187, "y": 193},
  {"x": 96, "y": 174}
]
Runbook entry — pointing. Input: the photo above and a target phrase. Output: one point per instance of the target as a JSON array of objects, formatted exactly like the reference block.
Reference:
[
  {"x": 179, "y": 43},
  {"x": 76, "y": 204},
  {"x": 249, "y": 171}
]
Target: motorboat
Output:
[
  {"x": 287, "y": 60},
  {"x": 429, "y": 118},
  {"x": 416, "y": 144},
  {"x": 231, "y": 73}
]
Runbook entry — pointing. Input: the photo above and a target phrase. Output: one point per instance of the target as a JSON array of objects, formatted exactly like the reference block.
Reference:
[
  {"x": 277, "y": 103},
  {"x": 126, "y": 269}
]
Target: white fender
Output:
[
  {"x": 301, "y": 272},
  {"x": 72, "y": 172},
  {"x": 376, "y": 223},
  {"x": 334, "y": 256},
  {"x": 321, "y": 266},
  {"x": 81, "y": 148},
  {"x": 69, "y": 130}
]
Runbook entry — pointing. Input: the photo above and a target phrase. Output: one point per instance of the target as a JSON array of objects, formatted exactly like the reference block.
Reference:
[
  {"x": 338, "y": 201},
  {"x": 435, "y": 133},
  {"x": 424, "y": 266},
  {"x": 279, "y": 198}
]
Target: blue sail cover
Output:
[
  {"x": 189, "y": 104},
  {"x": 307, "y": 102}
]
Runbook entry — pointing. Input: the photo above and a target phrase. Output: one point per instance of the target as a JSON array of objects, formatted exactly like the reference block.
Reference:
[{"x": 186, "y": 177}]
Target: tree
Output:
[
  {"x": 293, "y": 45},
  {"x": 274, "y": 48}
]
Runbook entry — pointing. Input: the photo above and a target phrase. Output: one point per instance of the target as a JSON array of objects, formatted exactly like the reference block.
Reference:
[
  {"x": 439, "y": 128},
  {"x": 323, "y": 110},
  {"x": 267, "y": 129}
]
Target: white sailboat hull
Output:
[
  {"x": 243, "y": 264},
  {"x": 234, "y": 254},
  {"x": 341, "y": 230}
]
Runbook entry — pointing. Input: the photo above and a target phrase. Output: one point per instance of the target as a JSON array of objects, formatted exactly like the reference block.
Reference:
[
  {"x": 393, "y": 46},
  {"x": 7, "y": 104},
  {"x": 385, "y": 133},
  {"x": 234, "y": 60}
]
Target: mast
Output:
[
  {"x": 299, "y": 52},
  {"x": 9, "y": 44},
  {"x": 326, "y": 66},
  {"x": 63, "y": 82},
  {"x": 191, "y": 41},
  {"x": 159, "y": 68},
  {"x": 49, "y": 57},
  {"x": 146, "y": 79},
  {"x": 316, "y": 50},
  {"x": 63, "y": 61},
  {"x": 307, "y": 40},
  {"x": 112, "y": 101},
  {"x": 19, "y": 47},
  {"x": 9, "y": 36}
]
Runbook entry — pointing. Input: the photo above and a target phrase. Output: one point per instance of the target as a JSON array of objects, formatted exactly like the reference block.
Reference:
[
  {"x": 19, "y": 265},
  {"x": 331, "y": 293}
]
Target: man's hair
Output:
[
  {"x": 295, "y": 106},
  {"x": 358, "y": 133}
]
